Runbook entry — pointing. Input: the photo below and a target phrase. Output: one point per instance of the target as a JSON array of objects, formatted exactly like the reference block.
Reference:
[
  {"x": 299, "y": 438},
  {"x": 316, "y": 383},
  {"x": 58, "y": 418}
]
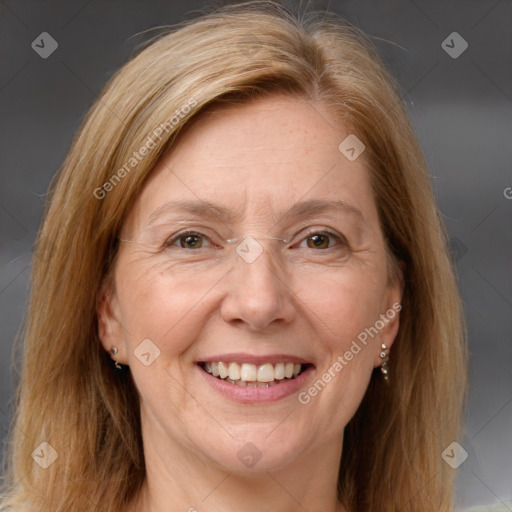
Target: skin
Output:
[{"x": 257, "y": 160}]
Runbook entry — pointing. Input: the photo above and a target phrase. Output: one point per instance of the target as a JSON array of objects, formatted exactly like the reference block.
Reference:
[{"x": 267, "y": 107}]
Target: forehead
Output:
[{"x": 258, "y": 159}]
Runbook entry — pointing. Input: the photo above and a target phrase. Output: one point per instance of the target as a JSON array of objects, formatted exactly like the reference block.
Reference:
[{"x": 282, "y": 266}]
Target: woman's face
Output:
[{"x": 318, "y": 302}]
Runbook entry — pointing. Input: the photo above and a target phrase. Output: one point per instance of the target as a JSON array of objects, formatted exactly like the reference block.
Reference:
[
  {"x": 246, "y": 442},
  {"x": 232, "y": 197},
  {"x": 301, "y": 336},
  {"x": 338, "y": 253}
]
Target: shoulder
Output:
[{"x": 497, "y": 507}]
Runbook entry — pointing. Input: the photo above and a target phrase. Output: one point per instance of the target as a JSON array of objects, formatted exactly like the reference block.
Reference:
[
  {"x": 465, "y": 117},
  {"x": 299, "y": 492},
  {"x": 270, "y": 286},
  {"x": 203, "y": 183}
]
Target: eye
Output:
[
  {"x": 323, "y": 239},
  {"x": 189, "y": 240}
]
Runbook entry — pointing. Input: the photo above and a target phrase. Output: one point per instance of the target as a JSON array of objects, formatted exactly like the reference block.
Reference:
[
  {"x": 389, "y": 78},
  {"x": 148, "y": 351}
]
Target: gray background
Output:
[{"x": 461, "y": 109}]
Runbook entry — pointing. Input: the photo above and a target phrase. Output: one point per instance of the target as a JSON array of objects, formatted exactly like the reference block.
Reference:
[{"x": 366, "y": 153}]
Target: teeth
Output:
[
  {"x": 279, "y": 371},
  {"x": 265, "y": 373},
  {"x": 234, "y": 371},
  {"x": 246, "y": 374},
  {"x": 223, "y": 370}
]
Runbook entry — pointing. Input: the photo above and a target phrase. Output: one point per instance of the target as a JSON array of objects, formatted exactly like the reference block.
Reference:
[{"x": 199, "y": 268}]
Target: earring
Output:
[
  {"x": 113, "y": 351},
  {"x": 384, "y": 355}
]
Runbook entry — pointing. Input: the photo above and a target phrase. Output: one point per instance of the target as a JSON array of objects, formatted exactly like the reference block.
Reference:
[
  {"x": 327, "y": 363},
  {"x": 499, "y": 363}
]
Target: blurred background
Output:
[{"x": 453, "y": 60}]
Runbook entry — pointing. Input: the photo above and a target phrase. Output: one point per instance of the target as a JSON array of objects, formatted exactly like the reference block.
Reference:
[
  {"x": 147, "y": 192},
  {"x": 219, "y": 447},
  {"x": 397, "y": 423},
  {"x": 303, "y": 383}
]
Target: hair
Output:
[{"x": 70, "y": 396}]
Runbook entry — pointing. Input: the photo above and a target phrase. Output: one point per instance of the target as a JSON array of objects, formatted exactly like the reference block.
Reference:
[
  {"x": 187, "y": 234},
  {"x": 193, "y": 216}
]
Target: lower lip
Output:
[{"x": 250, "y": 395}]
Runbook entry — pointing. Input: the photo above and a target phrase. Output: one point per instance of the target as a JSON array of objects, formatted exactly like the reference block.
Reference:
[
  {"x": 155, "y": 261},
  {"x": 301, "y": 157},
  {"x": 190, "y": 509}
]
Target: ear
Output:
[
  {"x": 110, "y": 330},
  {"x": 390, "y": 317}
]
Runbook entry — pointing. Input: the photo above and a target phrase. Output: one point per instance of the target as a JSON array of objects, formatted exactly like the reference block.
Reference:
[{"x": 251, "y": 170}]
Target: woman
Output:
[{"x": 242, "y": 297}]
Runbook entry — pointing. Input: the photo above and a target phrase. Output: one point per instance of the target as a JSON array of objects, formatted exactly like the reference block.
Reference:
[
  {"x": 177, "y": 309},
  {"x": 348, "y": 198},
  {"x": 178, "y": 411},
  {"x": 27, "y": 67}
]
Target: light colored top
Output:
[{"x": 497, "y": 507}]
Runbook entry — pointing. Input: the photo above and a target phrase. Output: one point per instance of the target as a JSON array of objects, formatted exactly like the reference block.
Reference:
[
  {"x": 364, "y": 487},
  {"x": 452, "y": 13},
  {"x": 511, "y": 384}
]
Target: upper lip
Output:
[{"x": 254, "y": 359}]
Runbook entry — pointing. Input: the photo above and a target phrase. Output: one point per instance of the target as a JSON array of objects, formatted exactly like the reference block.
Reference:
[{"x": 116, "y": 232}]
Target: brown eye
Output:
[
  {"x": 318, "y": 241},
  {"x": 191, "y": 241},
  {"x": 188, "y": 240}
]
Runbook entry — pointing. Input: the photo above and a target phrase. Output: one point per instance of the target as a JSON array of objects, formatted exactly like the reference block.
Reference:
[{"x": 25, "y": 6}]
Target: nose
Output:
[{"x": 258, "y": 294}]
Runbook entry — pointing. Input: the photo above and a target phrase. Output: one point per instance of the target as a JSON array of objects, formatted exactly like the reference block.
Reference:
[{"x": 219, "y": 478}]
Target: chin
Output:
[{"x": 259, "y": 451}]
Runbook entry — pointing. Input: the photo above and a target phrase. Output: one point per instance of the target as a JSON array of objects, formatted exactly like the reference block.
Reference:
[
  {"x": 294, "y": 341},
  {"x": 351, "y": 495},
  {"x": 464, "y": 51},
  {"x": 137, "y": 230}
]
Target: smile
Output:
[{"x": 252, "y": 375}]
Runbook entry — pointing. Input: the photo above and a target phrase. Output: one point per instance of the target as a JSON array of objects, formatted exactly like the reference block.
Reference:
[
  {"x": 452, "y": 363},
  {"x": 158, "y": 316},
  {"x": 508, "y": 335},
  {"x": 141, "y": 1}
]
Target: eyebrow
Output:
[
  {"x": 315, "y": 206},
  {"x": 204, "y": 209},
  {"x": 208, "y": 210}
]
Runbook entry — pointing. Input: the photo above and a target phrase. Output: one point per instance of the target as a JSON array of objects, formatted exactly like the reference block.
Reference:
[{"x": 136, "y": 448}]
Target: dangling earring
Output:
[
  {"x": 384, "y": 355},
  {"x": 113, "y": 351}
]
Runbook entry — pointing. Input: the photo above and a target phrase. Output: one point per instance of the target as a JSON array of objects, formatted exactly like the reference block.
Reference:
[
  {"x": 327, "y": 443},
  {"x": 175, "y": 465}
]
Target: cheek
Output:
[
  {"x": 163, "y": 307},
  {"x": 169, "y": 311},
  {"x": 342, "y": 307},
  {"x": 342, "y": 304}
]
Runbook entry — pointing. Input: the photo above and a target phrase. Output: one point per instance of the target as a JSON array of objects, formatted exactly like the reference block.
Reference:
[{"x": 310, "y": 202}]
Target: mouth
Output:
[{"x": 254, "y": 375}]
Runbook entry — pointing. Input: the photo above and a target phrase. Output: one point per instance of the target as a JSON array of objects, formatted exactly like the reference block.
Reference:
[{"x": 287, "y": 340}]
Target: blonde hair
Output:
[{"x": 69, "y": 395}]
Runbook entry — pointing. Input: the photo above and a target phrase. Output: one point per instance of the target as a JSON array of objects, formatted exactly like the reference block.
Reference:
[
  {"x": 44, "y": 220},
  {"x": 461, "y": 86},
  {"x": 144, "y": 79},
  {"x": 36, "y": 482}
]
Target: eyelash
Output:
[{"x": 339, "y": 238}]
